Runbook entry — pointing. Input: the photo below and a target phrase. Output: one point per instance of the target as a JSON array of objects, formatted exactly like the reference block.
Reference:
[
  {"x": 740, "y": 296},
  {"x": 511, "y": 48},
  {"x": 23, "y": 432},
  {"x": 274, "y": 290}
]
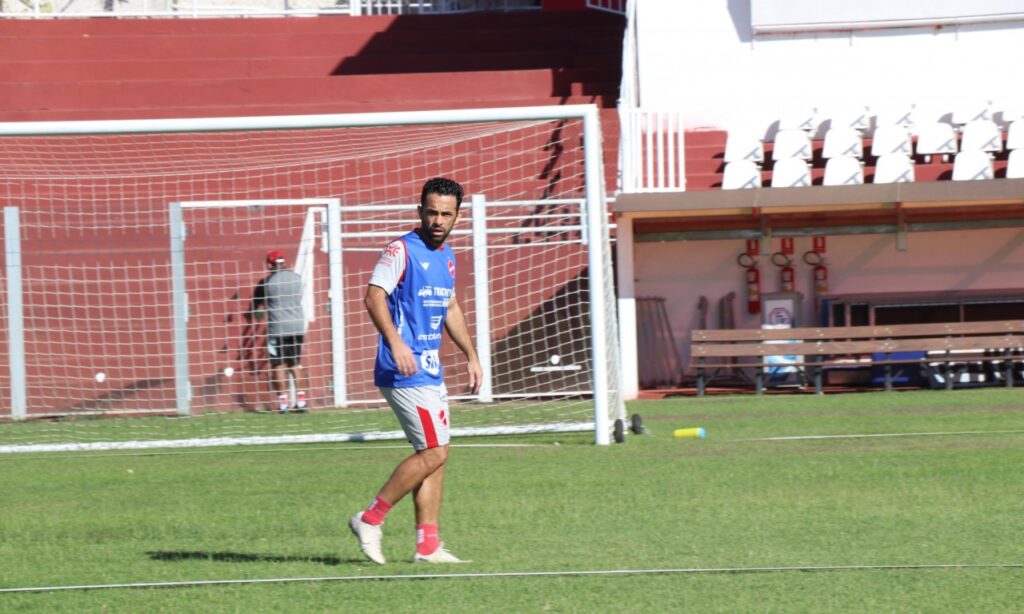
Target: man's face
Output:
[{"x": 438, "y": 217}]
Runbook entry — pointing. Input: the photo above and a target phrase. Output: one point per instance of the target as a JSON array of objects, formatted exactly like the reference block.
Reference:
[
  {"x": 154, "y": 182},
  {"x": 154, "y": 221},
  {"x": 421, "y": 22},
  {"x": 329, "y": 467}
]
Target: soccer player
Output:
[
  {"x": 280, "y": 292},
  {"x": 411, "y": 295}
]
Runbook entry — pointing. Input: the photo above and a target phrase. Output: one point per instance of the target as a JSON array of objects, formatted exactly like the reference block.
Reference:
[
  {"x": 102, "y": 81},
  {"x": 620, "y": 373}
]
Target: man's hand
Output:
[
  {"x": 404, "y": 359},
  {"x": 476, "y": 376}
]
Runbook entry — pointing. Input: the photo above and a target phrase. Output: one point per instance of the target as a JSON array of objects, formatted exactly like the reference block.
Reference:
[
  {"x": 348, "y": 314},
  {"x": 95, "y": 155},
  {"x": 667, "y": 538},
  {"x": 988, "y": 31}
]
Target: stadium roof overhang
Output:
[{"x": 855, "y": 209}]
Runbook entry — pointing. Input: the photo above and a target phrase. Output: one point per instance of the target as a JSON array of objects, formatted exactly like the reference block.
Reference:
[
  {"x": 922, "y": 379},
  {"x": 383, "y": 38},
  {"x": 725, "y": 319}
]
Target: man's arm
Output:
[
  {"x": 259, "y": 300},
  {"x": 455, "y": 324},
  {"x": 377, "y": 306}
]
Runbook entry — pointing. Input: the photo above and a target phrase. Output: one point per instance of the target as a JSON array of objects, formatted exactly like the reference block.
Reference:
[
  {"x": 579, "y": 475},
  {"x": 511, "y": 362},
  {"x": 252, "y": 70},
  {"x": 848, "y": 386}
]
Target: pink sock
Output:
[
  {"x": 426, "y": 538},
  {"x": 376, "y": 512}
]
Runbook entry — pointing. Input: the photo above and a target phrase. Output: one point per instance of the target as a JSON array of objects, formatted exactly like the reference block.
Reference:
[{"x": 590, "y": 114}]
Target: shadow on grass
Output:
[{"x": 241, "y": 557}]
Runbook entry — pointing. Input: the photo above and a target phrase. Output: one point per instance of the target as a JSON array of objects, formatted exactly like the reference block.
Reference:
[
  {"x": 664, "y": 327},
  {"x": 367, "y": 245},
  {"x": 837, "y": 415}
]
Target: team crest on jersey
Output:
[
  {"x": 451, "y": 268},
  {"x": 435, "y": 321}
]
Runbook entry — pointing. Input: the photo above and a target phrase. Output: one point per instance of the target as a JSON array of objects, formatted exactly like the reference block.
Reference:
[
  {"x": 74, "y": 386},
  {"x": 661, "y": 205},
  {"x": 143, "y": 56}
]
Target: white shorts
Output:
[{"x": 423, "y": 413}]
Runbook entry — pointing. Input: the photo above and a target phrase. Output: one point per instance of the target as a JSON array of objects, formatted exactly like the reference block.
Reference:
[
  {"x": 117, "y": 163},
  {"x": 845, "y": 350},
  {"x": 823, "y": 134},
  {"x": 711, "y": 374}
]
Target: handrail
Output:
[
  {"x": 620, "y": 7},
  {"x": 50, "y": 9}
]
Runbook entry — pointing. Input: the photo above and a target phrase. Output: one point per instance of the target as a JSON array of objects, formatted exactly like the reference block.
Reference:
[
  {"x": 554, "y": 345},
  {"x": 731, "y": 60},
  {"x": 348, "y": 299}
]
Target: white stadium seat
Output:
[
  {"x": 1012, "y": 112},
  {"x": 791, "y": 173},
  {"x": 792, "y": 144},
  {"x": 972, "y": 111},
  {"x": 858, "y": 119},
  {"x": 972, "y": 165},
  {"x": 981, "y": 135},
  {"x": 842, "y": 142},
  {"x": 744, "y": 145},
  {"x": 1015, "y": 164},
  {"x": 1015, "y": 135},
  {"x": 740, "y": 175},
  {"x": 936, "y": 138},
  {"x": 844, "y": 170},
  {"x": 894, "y": 168},
  {"x": 799, "y": 119},
  {"x": 893, "y": 139},
  {"x": 897, "y": 116}
]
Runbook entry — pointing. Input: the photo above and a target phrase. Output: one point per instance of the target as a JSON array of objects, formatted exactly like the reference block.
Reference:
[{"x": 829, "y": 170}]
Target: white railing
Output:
[
  {"x": 612, "y": 6},
  {"x": 651, "y": 151},
  {"x": 46, "y": 9},
  {"x": 651, "y": 154}
]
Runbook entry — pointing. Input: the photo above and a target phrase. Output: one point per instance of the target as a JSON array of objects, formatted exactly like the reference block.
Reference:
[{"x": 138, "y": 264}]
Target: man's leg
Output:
[
  {"x": 427, "y": 497},
  {"x": 409, "y": 475},
  {"x": 301, "y": 404},
  {"x": 277, "y": 377},
  {"x": 412, "y": 472},
  {"x": 429, "y": 547}
]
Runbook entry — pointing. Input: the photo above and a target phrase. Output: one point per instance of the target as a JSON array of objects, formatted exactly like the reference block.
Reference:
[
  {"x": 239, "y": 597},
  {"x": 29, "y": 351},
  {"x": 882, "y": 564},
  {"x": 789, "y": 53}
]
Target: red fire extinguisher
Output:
[
  {"x": 751, "y": 278},
  {"x": 816, "y": 259},
  {"x": 787, "y": 275}
]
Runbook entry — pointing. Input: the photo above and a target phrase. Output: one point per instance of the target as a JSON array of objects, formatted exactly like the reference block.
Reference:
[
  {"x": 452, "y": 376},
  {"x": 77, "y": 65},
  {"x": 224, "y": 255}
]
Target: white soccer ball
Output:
[
  {"x": 555, "y": 359},
  {"x": 228, "y": 371},
  {"x": 101, "y": 377}
]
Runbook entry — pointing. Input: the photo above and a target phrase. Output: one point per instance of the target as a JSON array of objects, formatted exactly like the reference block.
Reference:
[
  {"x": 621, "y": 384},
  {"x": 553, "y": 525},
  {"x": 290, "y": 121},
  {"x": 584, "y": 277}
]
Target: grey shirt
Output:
[{"x": 281, "y": 292}]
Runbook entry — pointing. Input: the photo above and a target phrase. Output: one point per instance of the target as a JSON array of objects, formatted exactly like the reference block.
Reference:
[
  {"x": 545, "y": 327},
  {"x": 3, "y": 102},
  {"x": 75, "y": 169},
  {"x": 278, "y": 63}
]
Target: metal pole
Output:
[
  {"x": 179, "y": 299},
  {"x": 337, "y": 303},
  {"x": 15, "y": 315},
  {"x": 596, "y": 223},
  {"x": 482, "y": 295}
]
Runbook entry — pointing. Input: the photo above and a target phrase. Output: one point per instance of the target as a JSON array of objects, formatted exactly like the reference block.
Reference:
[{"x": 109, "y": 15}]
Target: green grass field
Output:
[{"x": 560, "y": 504}]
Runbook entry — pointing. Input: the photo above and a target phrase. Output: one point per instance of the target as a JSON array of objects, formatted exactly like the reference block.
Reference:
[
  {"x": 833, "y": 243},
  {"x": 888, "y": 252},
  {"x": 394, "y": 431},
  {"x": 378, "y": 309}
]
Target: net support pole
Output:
[
  {"x": 180, "y": 312},
  {"x": 337, "y": 295},
  {"x": 15, "y": 314},
  {"x": 596, "y": 223},
  {"x": 482, "y": 296}
]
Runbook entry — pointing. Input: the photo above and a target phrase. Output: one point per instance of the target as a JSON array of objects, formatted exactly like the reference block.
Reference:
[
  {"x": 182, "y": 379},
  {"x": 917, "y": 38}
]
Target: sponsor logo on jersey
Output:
[
  {"x": 435, "y": 321},
  {"x": 425, "y": 265},
  {"x": 430, "y": 362},
  {"x": 428, "y": 337},
  {"x": 426, "y": 291},
  {"x": 451, "y": 268}
]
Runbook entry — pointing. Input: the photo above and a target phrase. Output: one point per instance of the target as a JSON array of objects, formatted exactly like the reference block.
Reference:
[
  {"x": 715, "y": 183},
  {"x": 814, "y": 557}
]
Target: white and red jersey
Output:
[{"x": 419, "y": 280}]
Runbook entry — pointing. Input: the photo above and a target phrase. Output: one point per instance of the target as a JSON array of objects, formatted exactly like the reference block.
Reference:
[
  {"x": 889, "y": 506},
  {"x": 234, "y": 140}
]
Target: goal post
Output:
[{"x": 127, "y": 330}]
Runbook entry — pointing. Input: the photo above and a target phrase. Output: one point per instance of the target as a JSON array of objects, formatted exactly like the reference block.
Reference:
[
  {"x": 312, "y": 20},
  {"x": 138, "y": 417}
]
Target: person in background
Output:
[{"x": 279, "y": 294}]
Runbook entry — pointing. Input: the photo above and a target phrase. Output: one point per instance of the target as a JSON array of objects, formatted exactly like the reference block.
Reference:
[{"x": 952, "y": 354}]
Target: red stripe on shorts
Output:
[{"x": 428, "y": 427}]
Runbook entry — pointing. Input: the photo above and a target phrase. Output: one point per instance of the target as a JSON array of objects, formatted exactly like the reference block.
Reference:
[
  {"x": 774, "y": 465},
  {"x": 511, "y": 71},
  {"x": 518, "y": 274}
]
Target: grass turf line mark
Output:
[{"x": 525, "y": 574}]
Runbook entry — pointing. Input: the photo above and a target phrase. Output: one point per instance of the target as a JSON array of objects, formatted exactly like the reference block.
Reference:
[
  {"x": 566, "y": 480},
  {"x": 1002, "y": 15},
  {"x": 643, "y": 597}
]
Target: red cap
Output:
[{"x": 275, "y": 256}]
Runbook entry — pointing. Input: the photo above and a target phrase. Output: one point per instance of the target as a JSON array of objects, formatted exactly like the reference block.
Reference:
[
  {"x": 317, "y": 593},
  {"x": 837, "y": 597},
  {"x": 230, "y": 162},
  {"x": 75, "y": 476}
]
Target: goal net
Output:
[{"x": 132, "y": 250}]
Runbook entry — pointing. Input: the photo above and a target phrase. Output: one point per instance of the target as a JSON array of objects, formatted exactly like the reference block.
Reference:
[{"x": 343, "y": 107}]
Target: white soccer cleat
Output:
[
  {"x": 441, "y": 555},
  {"x": 370, "y": 537}
]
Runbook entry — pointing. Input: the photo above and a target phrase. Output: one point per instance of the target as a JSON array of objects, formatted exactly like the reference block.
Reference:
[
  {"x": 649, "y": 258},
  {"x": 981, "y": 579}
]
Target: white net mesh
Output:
[{"x": 96, "y": 277}]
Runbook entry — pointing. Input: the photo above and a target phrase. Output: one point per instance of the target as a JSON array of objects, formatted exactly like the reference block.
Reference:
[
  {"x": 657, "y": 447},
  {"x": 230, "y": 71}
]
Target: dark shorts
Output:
[{"x": 284, "y": 350}]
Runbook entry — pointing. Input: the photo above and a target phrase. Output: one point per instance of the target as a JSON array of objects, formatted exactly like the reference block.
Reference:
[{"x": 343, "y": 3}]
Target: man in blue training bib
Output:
[{"x": 410, "y": 298}]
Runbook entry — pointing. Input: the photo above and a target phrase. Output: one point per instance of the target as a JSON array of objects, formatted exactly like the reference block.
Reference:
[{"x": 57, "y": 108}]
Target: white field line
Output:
[
  {"x": 215, "y": 442},
  {"x": 518, "y": 574},
  {"x": 262, "y": 450},
  {"x": 876, "y": 435}
]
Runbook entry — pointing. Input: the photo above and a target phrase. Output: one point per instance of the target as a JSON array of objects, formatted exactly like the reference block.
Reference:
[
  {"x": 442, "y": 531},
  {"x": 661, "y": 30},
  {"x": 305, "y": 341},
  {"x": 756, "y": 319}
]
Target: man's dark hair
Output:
[{"x": 442, "y": 186}]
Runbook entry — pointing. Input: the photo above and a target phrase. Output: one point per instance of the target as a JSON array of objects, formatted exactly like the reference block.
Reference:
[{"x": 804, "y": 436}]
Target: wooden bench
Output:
[{"x": 948, "y": 345}]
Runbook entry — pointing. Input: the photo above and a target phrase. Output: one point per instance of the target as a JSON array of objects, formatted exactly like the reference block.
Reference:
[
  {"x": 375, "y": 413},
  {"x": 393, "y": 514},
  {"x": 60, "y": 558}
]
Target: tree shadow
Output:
[{"x": 173, "y": 556}]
